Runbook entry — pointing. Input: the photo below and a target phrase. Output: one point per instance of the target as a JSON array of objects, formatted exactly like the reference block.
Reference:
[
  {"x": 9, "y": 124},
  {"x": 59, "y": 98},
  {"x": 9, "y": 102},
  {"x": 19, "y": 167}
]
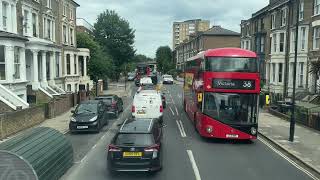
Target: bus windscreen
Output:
[{"x": 231, "y": 64}]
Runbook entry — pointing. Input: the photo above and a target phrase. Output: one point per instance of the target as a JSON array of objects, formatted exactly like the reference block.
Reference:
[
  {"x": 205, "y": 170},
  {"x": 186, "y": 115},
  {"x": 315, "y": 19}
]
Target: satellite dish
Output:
[{"x": 14, "y": 167}]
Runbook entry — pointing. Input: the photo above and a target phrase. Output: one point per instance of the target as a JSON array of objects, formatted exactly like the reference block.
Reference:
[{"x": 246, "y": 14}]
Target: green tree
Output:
[
  {"x": 116, "y": 37},
  {"x": 164, "y": 59},
  {"x": 141, "y": 58},
  {"x": 100, "y": 65}
]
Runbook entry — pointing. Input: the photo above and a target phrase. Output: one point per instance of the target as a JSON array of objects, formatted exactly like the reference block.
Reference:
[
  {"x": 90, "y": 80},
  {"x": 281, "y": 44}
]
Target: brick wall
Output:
[
  {"x": 4, "y": 108},
  {"x": 13, "y": 122},
  {"x": 60, "y": 105}
]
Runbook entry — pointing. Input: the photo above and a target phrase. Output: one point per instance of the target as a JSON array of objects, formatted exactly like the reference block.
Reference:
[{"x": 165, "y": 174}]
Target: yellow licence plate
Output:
[
  {"x": 132, "y": 154},
  {"x": 141, "y": 112}
]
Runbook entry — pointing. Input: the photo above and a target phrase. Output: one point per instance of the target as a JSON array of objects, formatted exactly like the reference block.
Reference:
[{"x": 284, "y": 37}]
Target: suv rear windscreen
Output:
[
  {"x": 131, "y": 139},
  {"x": 108, "y": 100}
]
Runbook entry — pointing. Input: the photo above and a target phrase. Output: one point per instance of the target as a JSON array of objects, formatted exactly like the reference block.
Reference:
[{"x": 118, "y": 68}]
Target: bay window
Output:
[
  {"x": 301, "y": 74},
  {"x": 16, "y": 62},
  {"x": 316, "y": 37},
  {"x": 282, "y": 43},
  {"x": 2, "y": 63},
  {"x": 283, "y": 17},
  {"x": 303, "y": 38}
]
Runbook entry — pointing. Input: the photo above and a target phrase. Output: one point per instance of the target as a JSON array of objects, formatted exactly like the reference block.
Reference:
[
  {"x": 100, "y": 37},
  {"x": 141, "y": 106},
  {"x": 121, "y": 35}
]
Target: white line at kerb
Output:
[
  {"x": 171, "y": 111},
  {"x": 288, "y": 159},
  {"x": 194, "y": 165}
]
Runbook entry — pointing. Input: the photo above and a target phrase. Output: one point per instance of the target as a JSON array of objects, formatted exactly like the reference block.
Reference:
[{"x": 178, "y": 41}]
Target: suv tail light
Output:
[
  {"x": 133, "y": 109},
  {"x": 153, "y": 148},
  {"x": 113, "y": 148},
  {"x": 161, "y": 108},
  {"x": 113, "y": 104}
]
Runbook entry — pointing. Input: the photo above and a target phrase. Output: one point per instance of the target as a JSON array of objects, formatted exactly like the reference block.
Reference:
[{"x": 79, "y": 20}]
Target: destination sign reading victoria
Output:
[{"x": 233, "y": 84}]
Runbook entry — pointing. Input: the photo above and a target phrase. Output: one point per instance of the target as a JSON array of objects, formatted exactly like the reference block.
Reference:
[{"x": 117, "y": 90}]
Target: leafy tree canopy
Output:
[
  {"x": 164, "y": 59},
  {"x": 116, "y": 37},
  {"x": 100, "y": 64}
]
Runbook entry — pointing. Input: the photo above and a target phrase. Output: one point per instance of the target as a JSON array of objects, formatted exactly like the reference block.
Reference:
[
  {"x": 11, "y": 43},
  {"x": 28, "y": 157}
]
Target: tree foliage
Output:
[
  {"x": 100, "y": 64},
  {"x": 164, "y": 59},
  {"x": 116, "y": 37},
  {"x": 141, "y": 58}
]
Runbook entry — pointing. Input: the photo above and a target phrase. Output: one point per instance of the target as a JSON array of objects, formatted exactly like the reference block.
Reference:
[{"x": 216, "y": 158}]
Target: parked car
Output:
[
  {"x": 88, "y": 116},
  {"x": 136, "y": 147},
  {"x": 113, "y": 103},
  {"x": 147, "y": 104},
  {"x": 167, "y": 79},
  {"x": 131, "y": 77}
]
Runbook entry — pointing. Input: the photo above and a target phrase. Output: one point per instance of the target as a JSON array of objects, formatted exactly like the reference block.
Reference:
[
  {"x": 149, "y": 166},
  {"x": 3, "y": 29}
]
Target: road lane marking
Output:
[
  {"x": 194, "y": 165},
  {"x": 288, "y": 159},
  {"x": 171, "y": 111},
  {"x": 182, "y": 128},
  {"x": 84, "y": 158},
  {"x": 94, "y": 146},
  {"x": 177, "y": 111}
]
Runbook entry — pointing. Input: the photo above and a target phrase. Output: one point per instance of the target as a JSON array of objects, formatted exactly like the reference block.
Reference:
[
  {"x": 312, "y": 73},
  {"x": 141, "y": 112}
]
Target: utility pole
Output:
[{"x": 292, "y": 120}]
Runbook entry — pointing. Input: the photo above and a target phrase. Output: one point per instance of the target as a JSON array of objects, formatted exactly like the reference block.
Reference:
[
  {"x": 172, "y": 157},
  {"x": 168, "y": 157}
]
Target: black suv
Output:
[
  {"x": 88, "y": 116},
  {"x": 136, "y": 147}
]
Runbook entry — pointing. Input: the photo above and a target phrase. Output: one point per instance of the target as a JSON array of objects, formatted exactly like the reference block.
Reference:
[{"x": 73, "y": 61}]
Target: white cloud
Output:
[{"x": 153, "y": 20}]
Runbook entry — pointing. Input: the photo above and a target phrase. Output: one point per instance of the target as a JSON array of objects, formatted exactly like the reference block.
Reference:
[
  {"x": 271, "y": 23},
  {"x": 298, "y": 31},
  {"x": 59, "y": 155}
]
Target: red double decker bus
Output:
[{"x": 221, "y": 93}]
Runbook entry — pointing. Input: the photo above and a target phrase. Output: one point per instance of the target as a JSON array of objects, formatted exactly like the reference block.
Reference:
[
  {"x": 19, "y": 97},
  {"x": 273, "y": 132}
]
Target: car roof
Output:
[
  {"x": 90, "y": 102},
  {"x": 148, "y": 91},
  {"x": 142, "y": 125}
]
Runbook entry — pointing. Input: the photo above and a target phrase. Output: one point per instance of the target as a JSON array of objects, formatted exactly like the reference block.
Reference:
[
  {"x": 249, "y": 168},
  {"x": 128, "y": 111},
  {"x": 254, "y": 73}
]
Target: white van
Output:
[
  {"x": 145, "y": 80},
  {"x": 147, "y": 104}
]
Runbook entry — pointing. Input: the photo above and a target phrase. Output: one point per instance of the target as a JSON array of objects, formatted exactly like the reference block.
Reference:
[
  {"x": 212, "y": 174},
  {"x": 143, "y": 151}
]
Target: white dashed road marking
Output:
[{"x": 194, "y": 165}]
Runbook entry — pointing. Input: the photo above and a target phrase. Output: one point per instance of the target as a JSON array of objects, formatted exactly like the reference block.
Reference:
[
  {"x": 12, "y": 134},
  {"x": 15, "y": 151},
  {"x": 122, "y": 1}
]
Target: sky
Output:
[{"x": 153, "y": 19}]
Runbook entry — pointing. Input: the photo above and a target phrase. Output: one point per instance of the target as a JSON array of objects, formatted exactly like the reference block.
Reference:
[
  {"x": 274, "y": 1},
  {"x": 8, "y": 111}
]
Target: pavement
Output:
[
  {"x": 306, "y": 146},
  {"x": 187, "y": 156}
]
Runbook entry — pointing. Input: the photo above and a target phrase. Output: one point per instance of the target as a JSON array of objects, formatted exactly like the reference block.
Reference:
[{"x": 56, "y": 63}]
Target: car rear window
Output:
[
  {"x": 131, "y": 139},
  {"x": 105, "y": 100}
]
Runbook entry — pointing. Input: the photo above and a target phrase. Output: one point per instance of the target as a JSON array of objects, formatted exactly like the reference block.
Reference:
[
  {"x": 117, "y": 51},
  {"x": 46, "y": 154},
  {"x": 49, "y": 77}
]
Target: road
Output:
[{"x": 186, "y": 155}]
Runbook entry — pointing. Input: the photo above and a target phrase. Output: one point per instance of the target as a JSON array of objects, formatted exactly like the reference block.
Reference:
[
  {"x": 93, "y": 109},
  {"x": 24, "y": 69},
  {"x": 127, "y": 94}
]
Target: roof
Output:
[
  {"x": 4, "y": 34},
  {"x": 219, "y": 31},
  {"x": 276, "y": 3},
  {"x": 136, "y": 126},
  {"x": 261, "y": 11},
  {"x": 230, "y": 52}
]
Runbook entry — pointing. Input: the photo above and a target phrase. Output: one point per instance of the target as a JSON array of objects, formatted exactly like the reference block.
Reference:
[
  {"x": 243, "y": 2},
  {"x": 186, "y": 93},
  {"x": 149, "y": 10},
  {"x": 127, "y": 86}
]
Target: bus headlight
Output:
[
  {"x": 209, "y": 129},
  {"x": 253, "y": 131}
]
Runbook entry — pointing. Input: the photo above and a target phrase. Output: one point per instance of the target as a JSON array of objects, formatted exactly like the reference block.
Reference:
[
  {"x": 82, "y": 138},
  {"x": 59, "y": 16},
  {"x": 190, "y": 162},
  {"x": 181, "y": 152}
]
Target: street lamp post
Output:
[{"x": 292, "y": 119}]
